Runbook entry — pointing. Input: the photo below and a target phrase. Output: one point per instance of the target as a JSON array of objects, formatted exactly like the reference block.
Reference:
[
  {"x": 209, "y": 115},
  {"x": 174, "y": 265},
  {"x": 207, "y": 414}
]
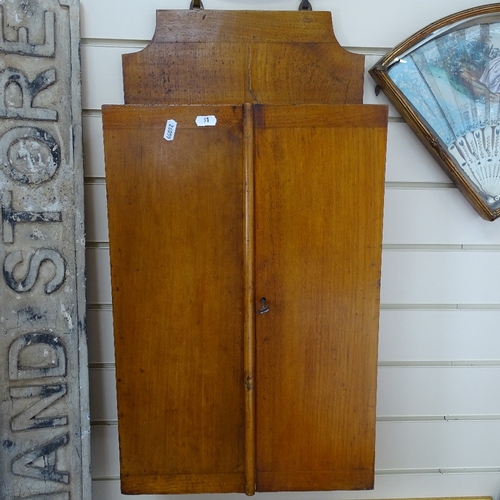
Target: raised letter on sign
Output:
[
  {"x": 47, "y": 395},
  {"x": 28, "y": 90},
  {"x": 37, "y": 355},
  {"x": 29, "y": 155},
  {"x": 47, "y": 496},
  {"x": 37, "y": 259},
  {"x": 24, "y": 465},
  {"x": 23, "y": 44}
]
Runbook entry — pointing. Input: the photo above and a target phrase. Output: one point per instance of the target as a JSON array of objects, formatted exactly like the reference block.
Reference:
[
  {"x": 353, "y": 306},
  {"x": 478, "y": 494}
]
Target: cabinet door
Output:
[
  {"x": 185, "y": 277},
  {"x": 319, "y": 181},
  {"x": 176, "y": 239}
]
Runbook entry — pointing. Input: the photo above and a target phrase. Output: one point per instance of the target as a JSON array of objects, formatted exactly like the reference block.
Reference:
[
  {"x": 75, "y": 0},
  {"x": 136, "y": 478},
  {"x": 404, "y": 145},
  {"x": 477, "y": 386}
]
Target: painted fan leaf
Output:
[{"x": 448, "y": 76}]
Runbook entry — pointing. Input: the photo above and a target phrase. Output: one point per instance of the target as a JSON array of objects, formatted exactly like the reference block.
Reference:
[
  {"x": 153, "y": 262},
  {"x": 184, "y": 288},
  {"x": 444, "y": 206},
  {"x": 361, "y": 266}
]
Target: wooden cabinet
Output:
[
  {"x": 245, "y": 249},
  {"x": 245, "y": 277}
]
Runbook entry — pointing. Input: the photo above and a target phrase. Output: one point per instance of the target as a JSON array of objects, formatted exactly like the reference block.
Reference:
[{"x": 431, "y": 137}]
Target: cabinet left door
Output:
[{"x": 176, "y": 221}]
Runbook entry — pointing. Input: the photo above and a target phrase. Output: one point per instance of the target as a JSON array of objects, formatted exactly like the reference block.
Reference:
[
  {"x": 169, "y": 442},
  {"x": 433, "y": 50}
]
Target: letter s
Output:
[{"x": 37, "y": 259}]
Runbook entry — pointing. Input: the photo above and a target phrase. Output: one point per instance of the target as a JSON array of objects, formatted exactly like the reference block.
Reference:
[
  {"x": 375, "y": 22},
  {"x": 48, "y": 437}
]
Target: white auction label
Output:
[
  {"x": 170, "y": 130},
  {"x": 206, "y": 121}
]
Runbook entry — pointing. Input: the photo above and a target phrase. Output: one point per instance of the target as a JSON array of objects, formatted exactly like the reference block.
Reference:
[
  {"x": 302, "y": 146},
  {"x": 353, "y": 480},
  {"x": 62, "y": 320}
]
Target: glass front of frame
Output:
[{"x": 450, "y": 79}]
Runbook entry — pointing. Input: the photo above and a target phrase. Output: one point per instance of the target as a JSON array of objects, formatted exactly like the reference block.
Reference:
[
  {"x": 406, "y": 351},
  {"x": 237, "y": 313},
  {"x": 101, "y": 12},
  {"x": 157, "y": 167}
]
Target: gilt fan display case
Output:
[{"x": 445, "y": 82}]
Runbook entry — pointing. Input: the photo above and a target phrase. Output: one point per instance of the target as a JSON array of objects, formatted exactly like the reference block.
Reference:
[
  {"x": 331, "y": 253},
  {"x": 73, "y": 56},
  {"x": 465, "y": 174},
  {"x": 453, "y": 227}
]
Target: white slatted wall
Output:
[{"x": 438, "y": 429}]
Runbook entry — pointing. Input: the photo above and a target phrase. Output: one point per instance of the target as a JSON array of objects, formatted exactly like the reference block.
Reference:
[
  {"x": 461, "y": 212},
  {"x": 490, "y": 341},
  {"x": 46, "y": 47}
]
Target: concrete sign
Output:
[{"x": 44, "y": 418}]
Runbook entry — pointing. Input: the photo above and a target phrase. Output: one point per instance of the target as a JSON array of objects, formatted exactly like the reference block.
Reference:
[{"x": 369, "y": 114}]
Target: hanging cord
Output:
[
  {"x": 305, "y": 5},
  {"x": 196, "y": 5}
]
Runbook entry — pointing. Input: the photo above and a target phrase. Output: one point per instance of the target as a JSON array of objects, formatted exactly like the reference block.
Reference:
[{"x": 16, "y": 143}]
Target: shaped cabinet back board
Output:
[
  {"x": 245, "y": 274},
  {"x": 234, "y": 57}
]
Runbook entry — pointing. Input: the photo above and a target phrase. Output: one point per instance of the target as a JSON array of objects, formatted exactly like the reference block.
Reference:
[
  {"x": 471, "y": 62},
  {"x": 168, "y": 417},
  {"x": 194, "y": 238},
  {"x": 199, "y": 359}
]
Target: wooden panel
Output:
[
  {"x": 93, "y": 150},
  {"x": 103, "y": 396},
  {"x": 402, "y": 166},
  {"x": 440, "y": 392},
  {"x": 460, "y": 277},
  {"x": 319, "y": 194},
  {"x": 243, "y": 56},
  {"x": 100, "y": 336},
  {"x": 176, "y": 226},
  {"x": 186, "y": 73},
  {"x": 98, "y": 273},
  {"x": 247, "y": 26},
  {"x": 448, "y": 445},
  {"x": 434, "y": 216},
  {"x": 96, "y": 221},
  {"x": 102, "y": 61},
  {"x": 439, "y": 336}
]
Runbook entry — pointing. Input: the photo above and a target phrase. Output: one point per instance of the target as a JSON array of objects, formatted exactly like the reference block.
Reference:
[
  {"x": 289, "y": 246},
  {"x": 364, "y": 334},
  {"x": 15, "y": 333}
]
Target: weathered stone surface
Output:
[{"x": 44, "y": 418}]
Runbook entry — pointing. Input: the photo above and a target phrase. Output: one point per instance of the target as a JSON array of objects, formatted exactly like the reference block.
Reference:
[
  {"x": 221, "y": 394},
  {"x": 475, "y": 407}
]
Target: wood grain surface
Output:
[
  {"x": 176, "y": 225},
  {"x": 233, "y": 57},
  {"x": 229, "y": 57},
  {"x": 212, "y": 398},
  {"x": 319, "y": 198}
]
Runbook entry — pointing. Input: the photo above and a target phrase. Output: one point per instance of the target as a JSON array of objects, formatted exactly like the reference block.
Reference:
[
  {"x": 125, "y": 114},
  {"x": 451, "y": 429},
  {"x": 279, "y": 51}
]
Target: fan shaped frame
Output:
[{"x": 487, "y": 207}]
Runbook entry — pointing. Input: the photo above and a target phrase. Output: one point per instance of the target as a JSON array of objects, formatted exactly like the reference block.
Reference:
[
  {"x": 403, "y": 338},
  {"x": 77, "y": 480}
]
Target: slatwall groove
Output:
[
  {"x": 115, "y": 43},
  {"x": 440, "y": 247},
  {"x": 382, "y": 364},
  {"x": 456, "y": 470},
  {"x": 378, "y": 472},
  {"x": 94, "y": 180},
  {"x": 440, "y": 418},
  {"x": 441, "y": 364},
  {"x": 419, "y": 185},
  {"x": 440, "y": 307},
  {"x": 378, "y": 52},
  {"x": 393, "y": 418},
  {"x": 100, "y": 244},
  {"x": 91, "y": 113}
]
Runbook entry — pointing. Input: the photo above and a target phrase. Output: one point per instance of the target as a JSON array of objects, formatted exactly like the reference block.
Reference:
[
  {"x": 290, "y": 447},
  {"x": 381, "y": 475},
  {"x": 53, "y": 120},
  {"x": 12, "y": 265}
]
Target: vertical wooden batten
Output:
[{"x": 249, "y": 308}]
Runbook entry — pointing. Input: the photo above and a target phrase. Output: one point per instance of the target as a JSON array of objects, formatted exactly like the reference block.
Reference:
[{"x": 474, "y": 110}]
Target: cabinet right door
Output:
[{"x": 319, "y": 184}]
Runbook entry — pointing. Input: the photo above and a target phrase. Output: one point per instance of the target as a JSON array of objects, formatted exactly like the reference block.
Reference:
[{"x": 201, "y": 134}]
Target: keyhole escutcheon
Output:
[{"x": 263, "y": 306}]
